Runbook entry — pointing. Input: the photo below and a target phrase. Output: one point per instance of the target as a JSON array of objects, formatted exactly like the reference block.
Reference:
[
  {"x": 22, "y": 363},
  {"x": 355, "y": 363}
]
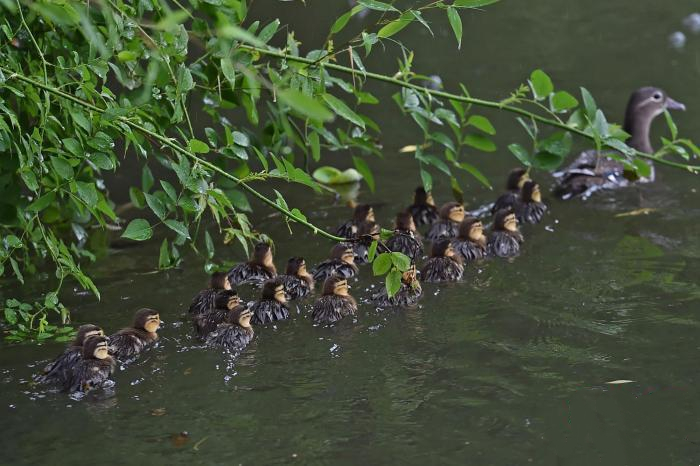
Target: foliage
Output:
[{"x": 80, "y": 82}]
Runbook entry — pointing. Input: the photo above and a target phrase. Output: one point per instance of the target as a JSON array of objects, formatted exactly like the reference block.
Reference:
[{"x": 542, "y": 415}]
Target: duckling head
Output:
[
  {"x": 517, "y": 178},
  {"x": 274, "y": 290},
  {"x": 404, "y": 222},
  {"x": 219, "y": 281},
  {"x": 471, "y": 229},
  {"x": 442, "y": 248},
  {"x": 505, "y": 220},
  {"x": 421, "y": 197},
  {"x": 86, "y": 331},
  {"x": 531, "y": 192},
  {"x": 336, "y": 285},
  {"x": 343, "y": 252},
  {"x": 644, "y": 105},
  {"x": 263, "y": 255},
  {"x": 227, "y": 299},
  {"x": 241, "y": 316},
  {"x": 296, "y": 266},
  {"x": 96, "y": 347},
  {"x": 363, "y": 213},
  {"x": 147, "y": 319},
  {"x": 453, "y": 211},
  {"x": 370, "y": 231}
]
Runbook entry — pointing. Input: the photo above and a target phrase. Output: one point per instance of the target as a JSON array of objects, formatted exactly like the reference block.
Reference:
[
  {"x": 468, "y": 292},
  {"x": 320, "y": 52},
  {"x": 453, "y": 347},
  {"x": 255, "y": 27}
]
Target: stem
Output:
[
  {"x": 460, "y": 98},
  {"x": 176, "y": 148}
]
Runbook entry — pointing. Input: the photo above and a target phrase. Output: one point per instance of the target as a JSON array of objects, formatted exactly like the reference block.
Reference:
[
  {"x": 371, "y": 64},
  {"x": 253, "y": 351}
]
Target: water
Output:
[{"x": 507, "y": 368}]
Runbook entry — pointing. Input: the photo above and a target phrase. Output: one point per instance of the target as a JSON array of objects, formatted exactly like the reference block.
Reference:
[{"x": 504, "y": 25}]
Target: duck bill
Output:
[{"x": 674, "y": 105}]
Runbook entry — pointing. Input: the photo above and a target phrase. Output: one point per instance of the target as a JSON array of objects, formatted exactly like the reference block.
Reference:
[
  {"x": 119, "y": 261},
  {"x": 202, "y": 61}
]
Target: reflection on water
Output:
[{"x": 508, "y": 367}]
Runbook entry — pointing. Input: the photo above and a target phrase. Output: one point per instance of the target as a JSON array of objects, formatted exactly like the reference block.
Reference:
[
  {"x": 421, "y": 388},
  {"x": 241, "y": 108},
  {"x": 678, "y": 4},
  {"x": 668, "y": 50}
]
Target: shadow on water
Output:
[{"x": 508, "y": 367}]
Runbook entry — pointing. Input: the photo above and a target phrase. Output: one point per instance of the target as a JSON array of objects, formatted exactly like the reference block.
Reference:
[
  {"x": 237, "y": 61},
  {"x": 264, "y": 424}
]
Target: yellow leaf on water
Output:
[
  {"x": 621, "y": 381},
  {"x": 411, "y": 148},
  {"x": 633, "y": 213}
]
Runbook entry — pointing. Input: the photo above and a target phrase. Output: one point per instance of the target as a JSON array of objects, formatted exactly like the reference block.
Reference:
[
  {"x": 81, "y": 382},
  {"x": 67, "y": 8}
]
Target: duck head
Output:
[
  {"x": 336, "y": 285},
  {"x": 274, "y": 290},
  {"x": 472, "y": 229},
  {"x": 219, "y": 281},
  {"x": 296, "y": 266},
  {"x": 86, "y": 331},
  {"x": 227, "y": 299},
  {"x": 453, "y": 211},
  {"x": 241, "y": 316},
  {"x": 363, "y": 213},
  {"x": 404, "y": 222},
  {"x": 517, "y": 178},
  {"x": 370, "y": 231},
  {"x": 343, "y": 252},
  {"x": 262, "y": 255},
  {"x": 644, "y": 105},
  {"x": 147, "y": 319},
  {"x": 96, "y": 347},
  {"x": 421, "y": 197},
  {"x": 531, "y": 192},
  {"x": 505, "y": 220}
]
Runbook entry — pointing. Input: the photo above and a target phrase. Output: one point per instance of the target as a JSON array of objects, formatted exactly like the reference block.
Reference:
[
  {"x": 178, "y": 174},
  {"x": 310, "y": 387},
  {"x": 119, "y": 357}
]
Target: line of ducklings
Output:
[{"x": 221, "y": 319}]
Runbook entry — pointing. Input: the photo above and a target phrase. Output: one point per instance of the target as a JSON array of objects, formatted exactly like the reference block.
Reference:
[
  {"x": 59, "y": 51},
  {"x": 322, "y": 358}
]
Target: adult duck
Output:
[{"x": 593, "y": 171}]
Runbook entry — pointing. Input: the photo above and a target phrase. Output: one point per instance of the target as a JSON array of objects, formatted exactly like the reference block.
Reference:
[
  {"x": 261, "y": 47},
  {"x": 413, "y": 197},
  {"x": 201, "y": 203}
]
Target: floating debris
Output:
[{"x": 677, "y": 40}]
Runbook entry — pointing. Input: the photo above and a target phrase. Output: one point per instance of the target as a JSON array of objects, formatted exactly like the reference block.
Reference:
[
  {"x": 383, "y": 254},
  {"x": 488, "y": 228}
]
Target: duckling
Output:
[
  {"x": 259, "y": 268},
  {"x": 363, "y": 213},
  {"x": 205, "y": 323},
  {"x": 444, "y": 264},
  {"x": 341, "y": 262},
  {"x": 94, "y": 368},
  {"x": 59, "y": 370},
  {"x": 423, "y": 208},
  {"x": 471, "y": 242},
  {"x": 204, "y": 301},
  {"x": 127, "y": 343},
  {"x": 408, "y": 295},
  {"x": 335, "y": 303},
  {"x": 516, "y": 179},
  {"x": 406, "y": 238},
  {"x": 235, "y": 333},
  {"x": 366, "y": 234},
  {"x": 593, "y": 170},
  {"x": 505, "y": 239},
  {"x": 272, "y": 305},
  {"x": 451, "y": 215},
  {"x": 530, "y": 209},
  {"x": 297, "y": 281}
]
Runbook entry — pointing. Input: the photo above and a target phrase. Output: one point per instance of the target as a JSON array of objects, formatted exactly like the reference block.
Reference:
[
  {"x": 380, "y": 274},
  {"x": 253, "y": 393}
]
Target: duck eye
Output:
[{"x": 657, "y": 96}]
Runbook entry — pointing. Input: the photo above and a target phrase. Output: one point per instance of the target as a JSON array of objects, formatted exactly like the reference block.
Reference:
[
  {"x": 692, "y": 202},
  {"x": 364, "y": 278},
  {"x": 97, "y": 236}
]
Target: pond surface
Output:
[{"x": 508, "y": 367}]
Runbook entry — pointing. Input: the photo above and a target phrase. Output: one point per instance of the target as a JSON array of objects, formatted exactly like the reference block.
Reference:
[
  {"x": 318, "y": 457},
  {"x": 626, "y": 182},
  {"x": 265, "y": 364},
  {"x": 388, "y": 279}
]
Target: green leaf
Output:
[
  {"x": 563, "y": 101},
  {"x": 589, "y": 104},
  {"x": 375, "y": 5},
  {"x": 342, "y": 110},
  {"x": 456, "y": 23},
  {"x": 480, "y": 142},
  {"x": 401, "y": 261},
  {"x": 241, "y": 139},
  {"x": 198, "y": 147},
  {"x": 642, "y": 168},
  {"x": 482, "y": 123},
  {"x": 146, "y": 179},
  {"x": 476, "y": 174},
  {"x": 305, "y": 105},
  {"x": 169, "y": 190},
  {"x": 364, "y": 170},
  {"x": 209, "y": 244},
  {"x": 126, "y": 56},
  {"x": 13, "y": 241},
  {"x": 426, "y": 179},
  {"x": 137, "y": 198},
  {"x": 73, "y": 146},
  {"x": 87, "y": 192},
  {"x": 315, "y": 146},
  {"x": 393, "y": 282},
  {"x": 558, "y": 143},
  {"x": 671, "y": 126},
  {"x": 382, "y": 264},
  {"x": 156, "y": 205},
  {"x": 164, "y": 255},
  {"x": 138, "y": 229},
  {"x": 178, "y": 227},
  {"x": 42, "y": 203},
  {"x": 395, "y": 26},
  {"x": 229, "y": 72},
  {"x": 372, "y": 251},
  {"x": 541, "y": 84},
  {"x": 62, "y": 167},
  {"x": 521, "y": 154},
  {"x": 331, "y": 175},
  {"x": 231, "y": 31},
  {"x": 473, "y": 3},
  {"x": 547, "y": 161},
  {"x": 443, "y": 139},
  {"x": 342, "y": 21}
]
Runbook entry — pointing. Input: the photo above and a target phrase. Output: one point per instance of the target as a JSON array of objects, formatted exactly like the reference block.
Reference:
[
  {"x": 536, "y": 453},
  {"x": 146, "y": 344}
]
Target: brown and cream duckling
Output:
[
  {"x": 471, "y": 242},
  {"x": 593, "y": 170},
  {"x": 60, "y": 369},
  {"x": 94, "y": 368},
  {"x": 423, "y": 209},
  {"x": 204, "y": 301},
  {"x": 341, "y": 262},
  {"x": 127, "y": 343},
  {"x": 366, "y": 234},
  {"x": 530, "y": 209},
  {"x": 272, "y": 305},
  {"x": 406, "y": 238},
  {"x": 226, "y": 301},
  {"x": 259, "y": 268},
  {"x": 335, "y": 303},
  {"x": 407, "y": 296},
  {"x": 508, "y": 200},
  {"x": 505, "y": 238},
  {"x": 235, "y": 333},
  {"x": 451, "y": 215},
  {"x": 444, "y": 265},
  {"x": 297, "y": 281},
  {"x": 362, "y": 213}
]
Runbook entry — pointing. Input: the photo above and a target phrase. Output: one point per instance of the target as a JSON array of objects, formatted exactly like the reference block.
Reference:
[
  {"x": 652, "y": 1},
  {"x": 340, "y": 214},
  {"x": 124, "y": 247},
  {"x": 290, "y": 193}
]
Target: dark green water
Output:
[{"x": 508, "y": 367}]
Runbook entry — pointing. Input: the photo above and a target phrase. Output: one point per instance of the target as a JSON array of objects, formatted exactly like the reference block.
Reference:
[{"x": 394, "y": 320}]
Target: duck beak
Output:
[{"x": 673, "y": 105}]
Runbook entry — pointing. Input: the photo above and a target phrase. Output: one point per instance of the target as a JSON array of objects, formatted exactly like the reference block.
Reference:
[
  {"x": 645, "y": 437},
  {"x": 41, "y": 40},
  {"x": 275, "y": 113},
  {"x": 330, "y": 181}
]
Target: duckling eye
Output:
[{"x": 657, "y": 96}]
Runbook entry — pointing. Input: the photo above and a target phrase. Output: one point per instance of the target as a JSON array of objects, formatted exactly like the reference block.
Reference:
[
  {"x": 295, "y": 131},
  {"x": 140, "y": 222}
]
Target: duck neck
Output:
[{"x": 638, "y": 127}]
